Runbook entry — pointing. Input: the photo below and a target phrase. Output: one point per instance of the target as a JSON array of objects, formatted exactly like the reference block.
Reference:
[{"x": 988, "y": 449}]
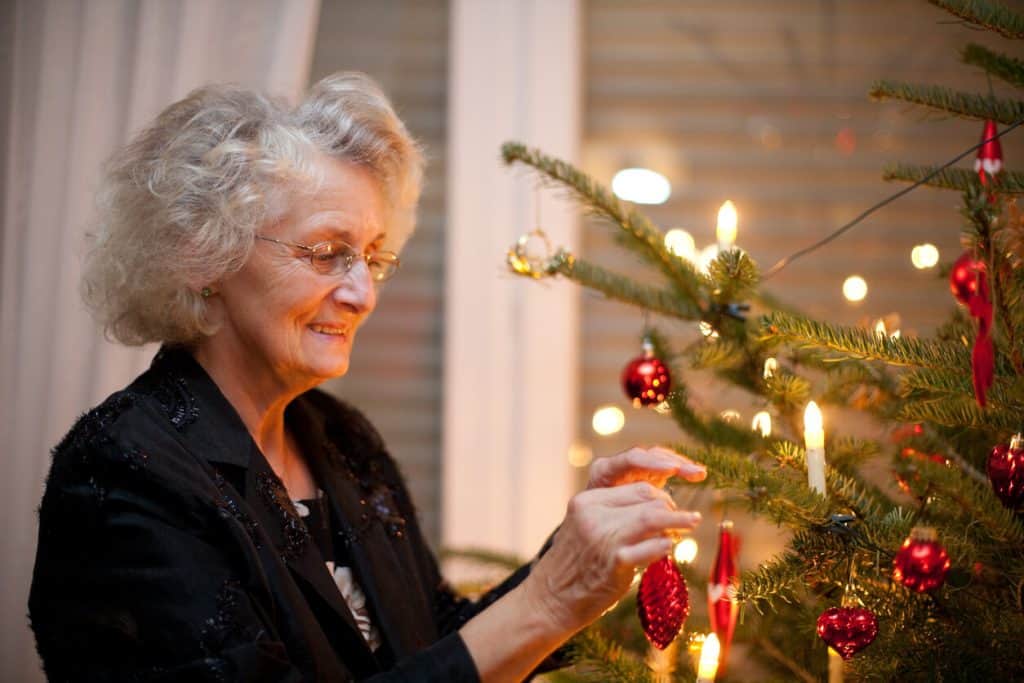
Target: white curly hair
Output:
[{"x": 181, "y": 204}]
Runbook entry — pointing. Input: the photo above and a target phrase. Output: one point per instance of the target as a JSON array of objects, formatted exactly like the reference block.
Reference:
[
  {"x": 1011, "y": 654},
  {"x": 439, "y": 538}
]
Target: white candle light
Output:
[
  {"x": 707, "y": 669},
  {"x": 814, "y": 442},
  {"x": 725, "y": 231}
]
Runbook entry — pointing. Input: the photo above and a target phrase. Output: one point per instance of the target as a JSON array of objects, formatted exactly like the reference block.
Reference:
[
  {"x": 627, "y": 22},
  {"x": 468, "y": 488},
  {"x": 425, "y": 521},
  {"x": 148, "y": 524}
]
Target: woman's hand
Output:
[
  {"x": 622, "y": 522},
  {"x": 654, "y": 465}
]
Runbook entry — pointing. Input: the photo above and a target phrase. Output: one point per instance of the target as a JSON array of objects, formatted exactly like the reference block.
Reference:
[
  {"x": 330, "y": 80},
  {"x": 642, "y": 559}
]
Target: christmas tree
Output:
[{"x": 916, "y": 577}]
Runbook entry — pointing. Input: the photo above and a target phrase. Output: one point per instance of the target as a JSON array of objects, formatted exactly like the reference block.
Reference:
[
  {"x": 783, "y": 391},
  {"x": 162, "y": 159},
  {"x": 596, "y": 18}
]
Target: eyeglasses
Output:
[{"x": 335, "y": 257}]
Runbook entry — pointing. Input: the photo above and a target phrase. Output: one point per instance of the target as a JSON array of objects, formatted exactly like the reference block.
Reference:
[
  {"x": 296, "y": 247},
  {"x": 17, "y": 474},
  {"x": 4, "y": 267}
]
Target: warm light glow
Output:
[
  {"x": 686, "y": 550},
  {"x": 771, "y": 366},
  {"x": 762, "y": 423},
  {"x": 855, "y": 288},
  {"x": 663, "y": 408},
  {"x": 814, "y": 429},
  {"x": 730, "y": 415},
  {"x": 707, "y": 669},
  {"x": 707, "y": 330},
  {"x": 681, "y": 243},
  {"x": 924, "y": 256},
  {"x": 608, "y": 420},
  {"x": 880, "y": 330},
  {"x": 641, "y": 185},
  {"x": 725, "y": 231},
  {"x": 707, "y": 255},
  {"x": 580, "y": 455}
]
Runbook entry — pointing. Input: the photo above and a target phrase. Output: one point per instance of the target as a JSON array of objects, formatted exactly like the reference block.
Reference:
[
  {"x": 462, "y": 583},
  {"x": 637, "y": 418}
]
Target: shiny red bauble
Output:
[
  {"x": 663, "y": 602},
  {"x": 967, "y": 278},
  {"x": 1006, "y": 472},
  {"x": 921, "y": 563},
  {"x": 646, "y": 380},
  {"x": 847, "y": 630}
]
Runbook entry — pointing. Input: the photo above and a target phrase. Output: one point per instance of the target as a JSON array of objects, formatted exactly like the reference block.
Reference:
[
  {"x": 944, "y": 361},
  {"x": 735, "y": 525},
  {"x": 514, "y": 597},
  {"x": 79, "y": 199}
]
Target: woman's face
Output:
[{"x": 283, "y": 318}]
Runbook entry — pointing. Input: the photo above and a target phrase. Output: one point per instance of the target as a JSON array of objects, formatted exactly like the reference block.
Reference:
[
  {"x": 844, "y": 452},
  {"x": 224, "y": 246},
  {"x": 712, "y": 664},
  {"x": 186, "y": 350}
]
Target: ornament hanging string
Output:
[{"x": 782, "y": 263}]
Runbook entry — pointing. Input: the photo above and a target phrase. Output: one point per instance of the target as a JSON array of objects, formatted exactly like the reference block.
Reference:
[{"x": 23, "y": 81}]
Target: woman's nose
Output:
[{"x": 357, "y": 288}]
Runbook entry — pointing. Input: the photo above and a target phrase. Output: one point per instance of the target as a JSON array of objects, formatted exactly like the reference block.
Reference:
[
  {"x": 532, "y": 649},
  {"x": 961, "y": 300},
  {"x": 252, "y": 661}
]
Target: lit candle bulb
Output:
[
  {"x": 725, "y": 231},
  {"x": 707, "y": 669},
  {"x": 814, "y": 442}
]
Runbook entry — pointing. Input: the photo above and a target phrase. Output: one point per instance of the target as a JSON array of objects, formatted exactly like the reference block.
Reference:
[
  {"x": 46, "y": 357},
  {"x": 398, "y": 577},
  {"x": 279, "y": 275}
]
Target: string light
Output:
[
  {"x": 707, "y": 255},
  {"x": 641, "y": 186},
  {"x": 771, "y": 366},
  {"x": 924, "y": 256},
  {"x": 726, "y": 228},
  {"x": 580, "y": 455},
  {"x": 686, "y": 550},
  {"x": 762, "y": 423},
  {"x": 855, "y": 288},
  {"x": 608, "y": 420},
  {"x": 681, "y": 243}
]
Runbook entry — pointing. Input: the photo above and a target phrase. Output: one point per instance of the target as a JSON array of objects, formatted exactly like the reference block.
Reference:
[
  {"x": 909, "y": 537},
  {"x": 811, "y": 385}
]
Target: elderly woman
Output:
[{"x": 220, "y": 518}]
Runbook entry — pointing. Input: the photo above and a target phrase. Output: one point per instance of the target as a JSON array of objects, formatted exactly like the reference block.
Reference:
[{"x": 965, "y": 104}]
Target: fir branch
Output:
[
  {"x": 999, "y": 65},
  {"x": 788, "y": 392},
  {"x": 973, "y": 501},
  {"x": 991, "y": 15},
  {"x": 717, "y": 354},
  {"x": 958, "y": 103},
  {"x": 646, "y": 238},
  {"x": 622, "y": 288},
  {"x": 960, "y": 413},
  {"x": 592, "y": 650},
  {"x": 1009, "y": 182},
  {"x": 863, "y": 344},
  {"x": 775, "y": 653},
  {"x": 786, "y": 501},
  {"x": 734, "y": 276}
]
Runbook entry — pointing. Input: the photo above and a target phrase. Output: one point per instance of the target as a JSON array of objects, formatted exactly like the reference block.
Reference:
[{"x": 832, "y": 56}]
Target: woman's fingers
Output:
[
  {"x": 626, "y": 494},
  {"x": 640, "y": 522},
  {"x": 655, "y": 465},
  {"x": 645, "y": 552}
]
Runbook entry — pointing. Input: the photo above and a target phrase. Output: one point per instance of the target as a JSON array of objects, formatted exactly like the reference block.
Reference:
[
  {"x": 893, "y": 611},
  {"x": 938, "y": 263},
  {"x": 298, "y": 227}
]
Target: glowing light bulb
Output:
[
  {"x": 707, "y": 255},
  {"x": 855, "y": 288},
  {"x": 580, "y": 455},
  {"x": 729, "y": 415},
  {"x": 726, "y": 228},
  {"x": 641, "y": 185},
  {"x": 762, "y": 423},
  {"x": 707, "y": 330},
  {"x": 771, "y": 366},
  {"x": 686, "y": 550},
  {"x": 707, "y": 669},
  {"x": 924, "y": 256},
  {"x": 608, "y": 420},
  {"x": 880, "y": 330},
  {"x": 681, "y": 243},
  {"x": 814, "y": 427}
]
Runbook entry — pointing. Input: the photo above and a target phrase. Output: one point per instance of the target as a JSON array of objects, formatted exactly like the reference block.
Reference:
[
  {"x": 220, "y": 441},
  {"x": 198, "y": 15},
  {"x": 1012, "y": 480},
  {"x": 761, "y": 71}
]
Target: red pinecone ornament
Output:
[
  {"x": 663, "y": 602},
  {"x": 1006, "y": 472},
  {"x": 847, "y": 630},
  {"x": 646, "y": 379},
  {"x": 921, "y": 563}
]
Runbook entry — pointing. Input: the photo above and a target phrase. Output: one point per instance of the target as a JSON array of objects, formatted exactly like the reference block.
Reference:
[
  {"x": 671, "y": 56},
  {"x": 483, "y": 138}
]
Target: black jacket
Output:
[{"x": 168, "y": 549}]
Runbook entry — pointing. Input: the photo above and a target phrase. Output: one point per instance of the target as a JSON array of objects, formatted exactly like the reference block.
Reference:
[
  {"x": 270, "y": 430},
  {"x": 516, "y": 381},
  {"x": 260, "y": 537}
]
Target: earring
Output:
[{"x": 206, "y": 292}]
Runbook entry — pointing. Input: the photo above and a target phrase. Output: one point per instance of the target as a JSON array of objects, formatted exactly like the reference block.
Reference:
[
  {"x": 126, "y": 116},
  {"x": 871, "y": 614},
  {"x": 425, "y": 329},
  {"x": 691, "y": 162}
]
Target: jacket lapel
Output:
[{"x": 361, "y": 514}]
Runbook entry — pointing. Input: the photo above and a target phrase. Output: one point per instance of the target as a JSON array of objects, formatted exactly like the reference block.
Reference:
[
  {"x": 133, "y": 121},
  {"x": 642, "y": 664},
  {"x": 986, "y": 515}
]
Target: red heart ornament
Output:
[
  {"x": 663, "y": 602},
  {"x": 847, "y": 630}
]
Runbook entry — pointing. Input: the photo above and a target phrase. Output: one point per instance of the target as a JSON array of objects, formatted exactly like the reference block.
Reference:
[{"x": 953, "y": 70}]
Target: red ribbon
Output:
[{"x": 983, "y": 356}]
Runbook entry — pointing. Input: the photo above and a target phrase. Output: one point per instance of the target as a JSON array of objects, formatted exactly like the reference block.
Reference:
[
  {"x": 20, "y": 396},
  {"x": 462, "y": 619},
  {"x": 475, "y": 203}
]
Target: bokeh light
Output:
[
  {"x": 641, "y": 185},
  {"x": 855, "y": 288},
  {"x": 608, "y": 420}
]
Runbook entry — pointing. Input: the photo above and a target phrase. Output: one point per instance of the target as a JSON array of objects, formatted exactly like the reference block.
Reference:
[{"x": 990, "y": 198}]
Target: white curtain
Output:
[{"x": 79, "y": 76}]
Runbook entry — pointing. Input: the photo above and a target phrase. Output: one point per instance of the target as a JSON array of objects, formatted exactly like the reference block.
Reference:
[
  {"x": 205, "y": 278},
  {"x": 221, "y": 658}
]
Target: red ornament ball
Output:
[
  {"x": 646, "y": 380},
  {"x": 1006, "y": 472},
  {"x": 967, "y": 278},
  {"x": 663, "y": 602},
  {"x": 847, "y": 630},
  {"x": 921, "y": 563}
]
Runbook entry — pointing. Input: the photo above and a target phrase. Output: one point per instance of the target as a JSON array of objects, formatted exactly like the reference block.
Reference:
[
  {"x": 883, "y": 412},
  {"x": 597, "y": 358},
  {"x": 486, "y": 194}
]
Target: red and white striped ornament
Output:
[
  {"x": 723, "y": 609},
  {"x": 990, "y": 155}
]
